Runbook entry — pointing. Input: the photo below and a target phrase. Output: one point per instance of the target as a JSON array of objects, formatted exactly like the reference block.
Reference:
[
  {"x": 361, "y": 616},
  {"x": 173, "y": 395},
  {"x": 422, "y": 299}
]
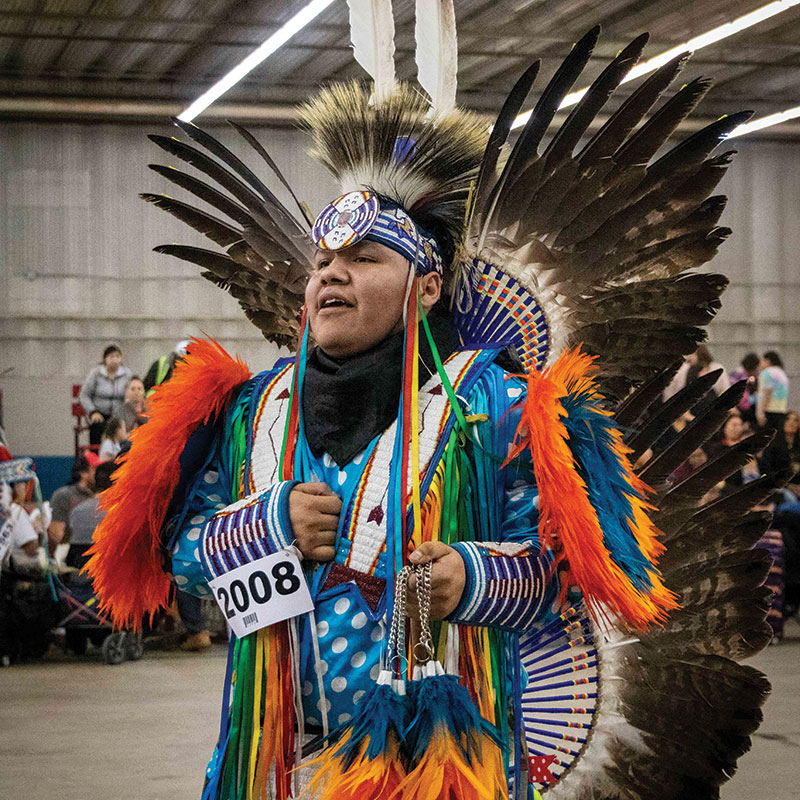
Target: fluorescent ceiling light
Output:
[
  {"x": 765, "y": 122},
  {"x": 278, "y": 39},
  {"x": 697, "y": 43}
]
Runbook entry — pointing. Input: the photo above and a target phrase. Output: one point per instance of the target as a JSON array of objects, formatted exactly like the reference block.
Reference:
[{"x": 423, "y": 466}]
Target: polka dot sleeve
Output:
[{"x": 207, "y": 498}]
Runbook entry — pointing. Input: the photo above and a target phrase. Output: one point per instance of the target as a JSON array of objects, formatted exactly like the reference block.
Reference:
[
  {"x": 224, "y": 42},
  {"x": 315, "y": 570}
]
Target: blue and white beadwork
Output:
[
  {"x": 360, "y": 215},
  {"x": 494, "y": 308},
  {"x": 559, "y": 698},
  {"x": 346, "y": 220}
]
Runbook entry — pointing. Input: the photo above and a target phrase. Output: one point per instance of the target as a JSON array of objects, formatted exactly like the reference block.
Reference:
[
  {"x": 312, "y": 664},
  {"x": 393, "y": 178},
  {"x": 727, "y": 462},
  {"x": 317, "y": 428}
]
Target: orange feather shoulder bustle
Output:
[
  {"x": 126, "y": 563},
  {"x": 568, "y": 522}
]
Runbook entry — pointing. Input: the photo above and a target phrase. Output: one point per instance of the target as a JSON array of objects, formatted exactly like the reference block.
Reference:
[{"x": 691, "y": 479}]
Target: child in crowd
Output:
[{"x": 114, "y": 435}]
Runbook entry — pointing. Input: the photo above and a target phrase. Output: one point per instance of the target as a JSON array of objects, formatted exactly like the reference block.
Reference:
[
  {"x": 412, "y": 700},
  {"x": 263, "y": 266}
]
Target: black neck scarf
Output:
[{"x": 348, "y": 401}]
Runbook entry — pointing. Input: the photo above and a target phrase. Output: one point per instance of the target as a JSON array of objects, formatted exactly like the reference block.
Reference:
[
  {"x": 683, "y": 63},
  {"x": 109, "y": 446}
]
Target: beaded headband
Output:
[{"x": 359, "y": 216}]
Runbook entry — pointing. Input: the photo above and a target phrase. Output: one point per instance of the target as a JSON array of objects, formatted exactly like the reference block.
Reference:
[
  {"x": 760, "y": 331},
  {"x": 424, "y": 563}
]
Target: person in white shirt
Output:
[
  {"x": 17, "y": 531},
  {"x": 114, "y": 435},
  {"x": 696, "y": 364}
]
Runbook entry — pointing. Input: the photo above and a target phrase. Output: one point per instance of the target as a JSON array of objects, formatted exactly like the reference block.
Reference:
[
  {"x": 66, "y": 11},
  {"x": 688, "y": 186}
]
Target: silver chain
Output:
[
  {"x": 397, "y": 631},
  {"x": 424, "y": 601}
]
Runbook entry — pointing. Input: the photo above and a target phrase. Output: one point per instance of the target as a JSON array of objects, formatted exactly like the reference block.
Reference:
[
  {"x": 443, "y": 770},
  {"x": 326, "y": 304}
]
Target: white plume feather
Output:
[
  {"x": 437, "y": 52},
  {"x": 372, "y": 36}
]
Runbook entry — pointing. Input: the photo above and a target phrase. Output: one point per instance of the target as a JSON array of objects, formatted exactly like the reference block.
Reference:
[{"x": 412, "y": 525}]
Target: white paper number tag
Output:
[{"x": 263, "y": 592}]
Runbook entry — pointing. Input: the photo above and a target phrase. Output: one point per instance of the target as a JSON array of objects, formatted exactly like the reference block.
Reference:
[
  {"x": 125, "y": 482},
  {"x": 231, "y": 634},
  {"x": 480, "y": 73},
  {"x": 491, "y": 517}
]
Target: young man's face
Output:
[{"x": 355, "y": 297}]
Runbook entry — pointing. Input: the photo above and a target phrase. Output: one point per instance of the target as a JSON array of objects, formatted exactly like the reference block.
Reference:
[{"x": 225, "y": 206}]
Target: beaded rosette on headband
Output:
[{"x": 363, "y": 216}]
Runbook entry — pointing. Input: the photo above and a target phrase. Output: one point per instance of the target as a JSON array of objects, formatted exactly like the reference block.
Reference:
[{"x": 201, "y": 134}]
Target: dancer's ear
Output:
[{"x": 430, "y": 289}]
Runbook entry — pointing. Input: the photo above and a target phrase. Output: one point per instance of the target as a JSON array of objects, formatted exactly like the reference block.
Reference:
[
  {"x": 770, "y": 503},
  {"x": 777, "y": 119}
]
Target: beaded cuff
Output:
[
  {"x": 507, "y": 585},
  {"x": 256, "y": 526}
]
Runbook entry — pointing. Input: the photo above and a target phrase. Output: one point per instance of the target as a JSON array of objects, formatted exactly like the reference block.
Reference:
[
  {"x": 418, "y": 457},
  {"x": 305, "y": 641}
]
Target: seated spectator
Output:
[
  {"x": 80, "y": 487},
  {"x": 18, "y": 538},
  {"x": 773, "y": 392},
  {"x": 17, "y": 533},
  {"x": 134, "y": 410},
  {"x": 103, "y": 391},
  {"x": 86, "y": 516},
  {"x": 114, "y": 435},
  {"x": 39, "y": 512},
  {"x": 695, "y": 365},
  {"x": 31, "y": 558},
  {"x": 732, "y": 433},
  {"x": 747, "y": 371}
]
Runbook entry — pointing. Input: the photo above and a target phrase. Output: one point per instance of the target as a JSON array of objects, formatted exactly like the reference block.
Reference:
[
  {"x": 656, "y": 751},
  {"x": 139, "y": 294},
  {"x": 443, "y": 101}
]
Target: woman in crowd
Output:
[
  {"x": 134, "y": 410},
  {"x": 701, "y": 362},
  {"x": 114, "y": 435},
  {"x": 103, "y": 391},
  {"x": 773, "y": 392}
]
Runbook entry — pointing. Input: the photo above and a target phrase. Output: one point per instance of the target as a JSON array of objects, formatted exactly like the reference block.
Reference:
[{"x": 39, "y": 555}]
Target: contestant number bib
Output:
[{"x": 262, "y": 593}]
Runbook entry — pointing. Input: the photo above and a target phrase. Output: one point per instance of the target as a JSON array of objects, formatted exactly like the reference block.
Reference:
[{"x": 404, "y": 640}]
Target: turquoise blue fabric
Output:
[{"x": 350, "y": 634}]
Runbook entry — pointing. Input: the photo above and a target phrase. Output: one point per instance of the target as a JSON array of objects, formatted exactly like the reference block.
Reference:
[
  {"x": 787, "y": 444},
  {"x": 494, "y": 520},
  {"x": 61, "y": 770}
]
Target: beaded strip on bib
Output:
[{"x": 363, "y": 519}]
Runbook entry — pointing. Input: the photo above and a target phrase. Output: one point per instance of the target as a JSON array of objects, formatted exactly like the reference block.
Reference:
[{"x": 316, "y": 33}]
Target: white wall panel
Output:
[
  {"x": 761, "y": 308},
  {"x": 77, "y": 268}
]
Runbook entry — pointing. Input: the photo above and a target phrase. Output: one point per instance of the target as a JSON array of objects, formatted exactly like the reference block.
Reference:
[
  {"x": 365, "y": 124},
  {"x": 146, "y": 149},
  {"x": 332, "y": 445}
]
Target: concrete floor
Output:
[{"x": 80, "y": 730}]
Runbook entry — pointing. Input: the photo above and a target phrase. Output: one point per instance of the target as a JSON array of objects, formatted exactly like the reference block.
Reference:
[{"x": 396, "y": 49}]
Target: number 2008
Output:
[{"x": 258, "y": 588}]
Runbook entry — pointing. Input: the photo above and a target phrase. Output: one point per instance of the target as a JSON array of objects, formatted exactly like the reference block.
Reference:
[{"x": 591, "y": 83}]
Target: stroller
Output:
[
  {"x": 37, "y": 609},
  {"x": 84, "y": 623}
]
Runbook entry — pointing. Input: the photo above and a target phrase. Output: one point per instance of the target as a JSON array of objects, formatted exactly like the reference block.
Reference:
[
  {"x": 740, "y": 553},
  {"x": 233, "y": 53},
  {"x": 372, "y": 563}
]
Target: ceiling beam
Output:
[
  {"x": 108, "y": 110},
  {"x": 517, "y": 54}
]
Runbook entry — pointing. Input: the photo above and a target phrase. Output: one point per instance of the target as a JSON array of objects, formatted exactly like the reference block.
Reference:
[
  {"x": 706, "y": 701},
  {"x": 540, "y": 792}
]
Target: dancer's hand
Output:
[
  {"x": 314, "y": 511},
  {"x": 447, "y": 579}
]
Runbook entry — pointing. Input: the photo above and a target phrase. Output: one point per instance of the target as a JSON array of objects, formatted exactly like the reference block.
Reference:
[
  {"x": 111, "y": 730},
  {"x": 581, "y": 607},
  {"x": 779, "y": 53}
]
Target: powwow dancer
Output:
[{"x": 485, "y": 332}]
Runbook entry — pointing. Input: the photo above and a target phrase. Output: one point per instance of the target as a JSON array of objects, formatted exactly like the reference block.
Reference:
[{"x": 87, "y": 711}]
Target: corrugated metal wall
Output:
[
  {"x": 77, "y": 268},
  {"x": 78, "y": 271}
]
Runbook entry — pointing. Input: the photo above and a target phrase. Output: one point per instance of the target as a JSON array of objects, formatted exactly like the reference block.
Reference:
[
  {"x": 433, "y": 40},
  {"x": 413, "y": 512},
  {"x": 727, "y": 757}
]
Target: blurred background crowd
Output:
[{"x": 112, "y": 403}]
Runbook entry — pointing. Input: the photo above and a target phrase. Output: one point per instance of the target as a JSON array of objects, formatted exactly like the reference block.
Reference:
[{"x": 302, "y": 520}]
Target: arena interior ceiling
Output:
[{"x": 136, "y": 59}]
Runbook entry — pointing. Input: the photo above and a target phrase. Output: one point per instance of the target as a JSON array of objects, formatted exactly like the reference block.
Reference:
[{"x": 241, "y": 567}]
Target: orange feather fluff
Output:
[
  {"x": 568, "y": 523},
  {"x": 444, "y": 774},
  {"x": 377, "y": 778},
  {"x": 126, "y": 564}
]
